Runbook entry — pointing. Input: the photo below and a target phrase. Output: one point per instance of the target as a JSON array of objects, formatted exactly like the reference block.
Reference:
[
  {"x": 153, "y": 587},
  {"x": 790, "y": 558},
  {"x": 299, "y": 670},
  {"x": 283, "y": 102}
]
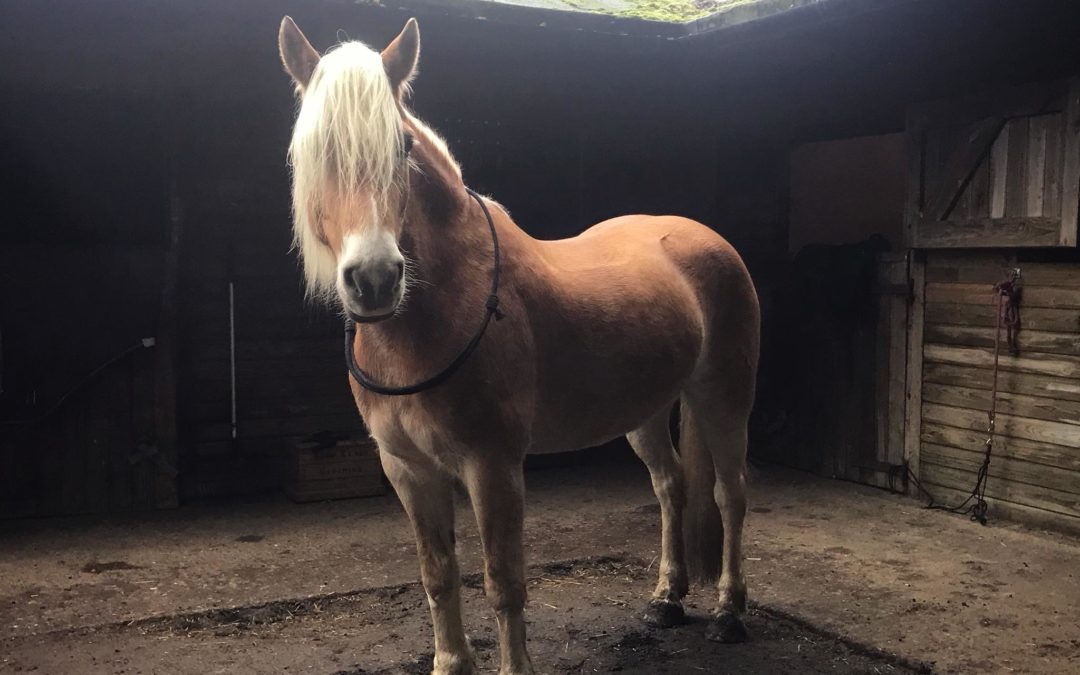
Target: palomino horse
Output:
[{"x": 596, "y": 337}]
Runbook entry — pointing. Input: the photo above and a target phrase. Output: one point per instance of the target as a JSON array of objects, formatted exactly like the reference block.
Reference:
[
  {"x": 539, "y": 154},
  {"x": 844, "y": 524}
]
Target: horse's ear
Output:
[
  {"x": 400, "y": 56},
  {"x": 297, "y": 54}
]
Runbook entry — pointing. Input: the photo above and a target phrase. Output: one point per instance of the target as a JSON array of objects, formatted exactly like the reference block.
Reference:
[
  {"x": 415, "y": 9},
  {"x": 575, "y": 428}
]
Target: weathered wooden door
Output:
[
  {"x": 893, "y": 292},
  {"x": 998, "y": 169}
]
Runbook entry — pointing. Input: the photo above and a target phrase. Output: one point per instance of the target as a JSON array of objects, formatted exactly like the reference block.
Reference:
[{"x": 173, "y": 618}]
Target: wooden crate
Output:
[{"x": 349, "y": 468}]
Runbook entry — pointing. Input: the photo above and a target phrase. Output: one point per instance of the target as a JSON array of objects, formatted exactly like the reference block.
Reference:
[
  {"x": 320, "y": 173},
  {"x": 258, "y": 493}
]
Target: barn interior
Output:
[
  {"x": 148, "y": 217},
  {"x": 157, "y": 350}
]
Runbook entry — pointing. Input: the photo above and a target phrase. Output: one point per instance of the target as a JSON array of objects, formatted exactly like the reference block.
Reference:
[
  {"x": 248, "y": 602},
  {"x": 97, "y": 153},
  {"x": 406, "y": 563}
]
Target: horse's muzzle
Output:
[{"x": 373, "y": 290}]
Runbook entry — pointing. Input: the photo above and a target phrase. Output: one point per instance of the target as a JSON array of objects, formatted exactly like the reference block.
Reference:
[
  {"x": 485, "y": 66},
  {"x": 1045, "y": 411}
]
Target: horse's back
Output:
[
  {"x": 702, "y": 258},
  {"x": 691, "y": 245},
  {"x": 630, "y": 310}
]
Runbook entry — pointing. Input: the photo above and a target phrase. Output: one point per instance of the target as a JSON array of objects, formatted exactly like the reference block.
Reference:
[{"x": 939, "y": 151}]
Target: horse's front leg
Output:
[
  {"x": 498, "y": 498},
  {"x": 428, "y": 497}
]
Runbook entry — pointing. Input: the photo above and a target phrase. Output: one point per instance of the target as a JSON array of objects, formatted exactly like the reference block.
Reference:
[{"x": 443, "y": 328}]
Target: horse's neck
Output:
[{"x": 448, "y": 243}]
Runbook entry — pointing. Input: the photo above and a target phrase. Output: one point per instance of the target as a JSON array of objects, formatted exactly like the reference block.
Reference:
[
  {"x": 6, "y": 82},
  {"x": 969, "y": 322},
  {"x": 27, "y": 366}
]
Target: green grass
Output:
[
  {"x": 674, "y": 11},
  {"x": 671, "y": 11}
]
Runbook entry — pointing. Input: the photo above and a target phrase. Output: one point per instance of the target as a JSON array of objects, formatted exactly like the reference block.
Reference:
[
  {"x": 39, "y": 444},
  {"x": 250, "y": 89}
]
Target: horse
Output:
[{"x": 594, "y": 337}]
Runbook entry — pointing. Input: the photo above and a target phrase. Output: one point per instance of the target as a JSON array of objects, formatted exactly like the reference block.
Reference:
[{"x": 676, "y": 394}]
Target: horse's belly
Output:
[{"x": 605, "y": 380}]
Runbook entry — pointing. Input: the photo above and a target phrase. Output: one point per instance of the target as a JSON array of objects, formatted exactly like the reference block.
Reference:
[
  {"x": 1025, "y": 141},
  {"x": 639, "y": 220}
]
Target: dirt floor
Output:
[{"x": 844, "y": 579}]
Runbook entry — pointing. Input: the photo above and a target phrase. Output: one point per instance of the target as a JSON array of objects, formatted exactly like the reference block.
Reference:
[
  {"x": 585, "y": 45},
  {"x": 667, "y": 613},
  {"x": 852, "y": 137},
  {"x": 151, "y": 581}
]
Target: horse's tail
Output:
[{"x": 703, "y": 530}]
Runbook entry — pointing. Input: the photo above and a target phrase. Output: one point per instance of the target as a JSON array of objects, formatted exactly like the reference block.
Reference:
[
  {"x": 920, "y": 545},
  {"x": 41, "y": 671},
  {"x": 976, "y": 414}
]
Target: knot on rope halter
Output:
[{"x": 493, "y": 307}]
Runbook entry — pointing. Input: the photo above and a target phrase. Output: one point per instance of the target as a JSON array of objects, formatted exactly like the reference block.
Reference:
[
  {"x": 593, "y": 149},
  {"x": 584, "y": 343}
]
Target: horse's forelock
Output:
[{"x": 347, "y": 139}]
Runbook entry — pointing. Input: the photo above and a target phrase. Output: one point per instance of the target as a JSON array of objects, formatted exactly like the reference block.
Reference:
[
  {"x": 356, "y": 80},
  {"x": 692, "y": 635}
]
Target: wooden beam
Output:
[
  {"x": 1049, "y": 499},
  {"x": 1003, "y": 467},
  {"x": 1057, "y": 433},
  {"x": 987, "y": 233},
  {"x": 1027, "y": 340},
  {"x": 1008, "y": 403},
  {"x": 1001, "y": 508},
  {"x": 1043, "y": 364},
  {"x": 1016, "y": 448},
  {"x": 1070, "y": 174},
  {"x": 983, "y": 314},
  {"x": 961, "y": 167},
  {"x": 1065, "y": 389},
  {"x": 914, "y": 375},
  {"x": 1050, "y": 297}
]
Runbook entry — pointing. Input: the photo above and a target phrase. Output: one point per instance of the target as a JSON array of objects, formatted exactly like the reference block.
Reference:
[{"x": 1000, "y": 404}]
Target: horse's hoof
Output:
[
  {"x": 664, "y": 614},
  {"x": 727, "y": 628}
]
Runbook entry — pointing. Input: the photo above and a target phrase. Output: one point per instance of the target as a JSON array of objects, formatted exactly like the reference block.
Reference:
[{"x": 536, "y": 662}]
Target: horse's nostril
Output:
[
  {"x": 400, "y": 270},
  {"x": 355, "y": 277}
]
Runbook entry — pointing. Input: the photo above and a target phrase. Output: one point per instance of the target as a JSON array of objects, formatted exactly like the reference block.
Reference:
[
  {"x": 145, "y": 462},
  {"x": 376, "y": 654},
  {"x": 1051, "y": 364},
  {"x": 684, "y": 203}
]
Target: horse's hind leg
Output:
[
  {"x": 497, "y": 491},
  {"x": 721, "y": 423},
  {"x": 428, "y": 497},
  {"x": 652, "y": 443},
  {"x": 728, "y": 444}
]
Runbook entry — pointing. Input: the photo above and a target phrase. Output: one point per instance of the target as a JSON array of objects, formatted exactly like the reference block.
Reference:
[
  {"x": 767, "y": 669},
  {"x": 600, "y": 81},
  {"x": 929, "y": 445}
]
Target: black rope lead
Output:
[{"x": 491, "y": 307}]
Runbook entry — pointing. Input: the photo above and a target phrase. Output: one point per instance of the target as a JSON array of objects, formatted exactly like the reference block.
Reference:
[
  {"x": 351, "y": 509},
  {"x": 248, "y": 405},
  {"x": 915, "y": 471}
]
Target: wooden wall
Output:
[
  {"x": 103, "y": 448},
  {"x": 1035, "y": 470}
]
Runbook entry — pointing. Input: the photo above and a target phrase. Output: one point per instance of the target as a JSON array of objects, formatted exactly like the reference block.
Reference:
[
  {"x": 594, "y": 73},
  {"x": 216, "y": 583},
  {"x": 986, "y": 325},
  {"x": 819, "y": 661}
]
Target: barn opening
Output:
[{"x": 146, "y": 194}]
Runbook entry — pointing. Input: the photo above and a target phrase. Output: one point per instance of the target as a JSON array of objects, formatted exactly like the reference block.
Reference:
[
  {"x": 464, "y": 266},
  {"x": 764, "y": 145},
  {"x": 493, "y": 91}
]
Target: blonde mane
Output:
[{"x": 348, "y": 137}]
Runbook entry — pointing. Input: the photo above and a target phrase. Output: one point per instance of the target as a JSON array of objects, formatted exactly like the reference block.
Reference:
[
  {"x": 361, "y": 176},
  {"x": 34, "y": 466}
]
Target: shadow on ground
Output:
[{"x": 584, "y": 618}]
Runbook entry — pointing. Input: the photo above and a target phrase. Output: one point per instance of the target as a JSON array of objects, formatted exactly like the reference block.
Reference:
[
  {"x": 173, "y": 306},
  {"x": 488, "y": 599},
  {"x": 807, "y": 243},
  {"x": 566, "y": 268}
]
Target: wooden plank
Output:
[
  {"x": 1051, "y": 297},
  {"x": 1045, "y": 498},
  {"x": 1015, "y": 448},
  {"x": 1027, "y": 340},
  {"x": 1070, "y": 173},
  {"x": 999, "y": 173},
  {"x": 1008, "y": 403},
  {"x": 960, "y": 164},
  {"x": 897, "y": 378},
  {"x": 1055, "y": 146},
  {"x": 1057, "y": 433},
  {"x": 983, "y": 314},
  {"x": 914, "y": 376},
  {"x": 1043, "y": 364},
  {"x": 1021, "y": 513},
  {"x": 969, "y": 267},
  {"x": 1003, "y": 468},
  {"x": 1061, "y": 388},
  {"x": 1035, "y": 171},
  {"x": 977, "y": 194},
  {"x": 985, "y": 275},
  {"x": 1051, "y": 274},
  {"x": 891, "y": 360},
  {"x": 1033, "y": 296},
  {"x": 1016, "y": 182},
  {"x": 987, "y": 233}
]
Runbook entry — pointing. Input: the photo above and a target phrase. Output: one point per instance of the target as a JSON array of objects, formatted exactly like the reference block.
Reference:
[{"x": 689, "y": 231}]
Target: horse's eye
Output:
[{"x": 408, "y": 143}]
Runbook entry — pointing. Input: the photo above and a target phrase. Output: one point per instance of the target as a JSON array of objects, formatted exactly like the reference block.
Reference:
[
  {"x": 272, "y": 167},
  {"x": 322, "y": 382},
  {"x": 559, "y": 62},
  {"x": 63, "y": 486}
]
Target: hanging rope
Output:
[{"x": 1007, "y": 315}]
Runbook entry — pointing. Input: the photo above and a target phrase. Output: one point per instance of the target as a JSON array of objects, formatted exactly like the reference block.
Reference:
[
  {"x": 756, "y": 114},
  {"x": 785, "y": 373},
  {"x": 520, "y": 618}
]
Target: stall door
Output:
[{"x": 999, "y": 169}]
